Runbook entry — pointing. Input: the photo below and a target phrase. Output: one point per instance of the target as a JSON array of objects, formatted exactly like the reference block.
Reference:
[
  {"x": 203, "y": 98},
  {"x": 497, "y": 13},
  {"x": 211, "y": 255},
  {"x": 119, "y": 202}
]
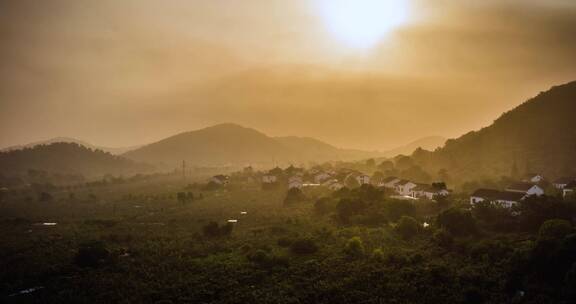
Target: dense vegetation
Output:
[
  {"x": 66, "y": 158},
  {"x": 537, "y": 136},
  {"x": 159, "y": 240}
]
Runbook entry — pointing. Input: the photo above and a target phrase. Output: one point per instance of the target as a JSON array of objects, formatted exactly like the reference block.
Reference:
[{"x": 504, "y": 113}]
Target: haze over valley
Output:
[{"x": 303, "y": 151}]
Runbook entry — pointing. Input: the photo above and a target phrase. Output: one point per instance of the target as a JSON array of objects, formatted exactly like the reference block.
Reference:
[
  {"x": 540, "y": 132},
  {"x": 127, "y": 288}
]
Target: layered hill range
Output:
[
  {"x": 537, "y": 136},
  {"x": 231, "y": 144},
  {"x": 219, "y": 145}
]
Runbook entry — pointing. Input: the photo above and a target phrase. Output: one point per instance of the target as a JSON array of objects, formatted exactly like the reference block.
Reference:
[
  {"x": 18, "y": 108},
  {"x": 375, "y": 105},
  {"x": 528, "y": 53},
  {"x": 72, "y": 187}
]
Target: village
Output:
[{"x": 531, "y": 184}]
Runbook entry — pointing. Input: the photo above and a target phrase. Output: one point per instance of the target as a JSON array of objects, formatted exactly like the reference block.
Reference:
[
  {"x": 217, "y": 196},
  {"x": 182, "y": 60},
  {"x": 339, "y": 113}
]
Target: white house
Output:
[
  {"x": 333, "y": 185},
  {"x": 533, "y": 178},
  {"x": 321, "y": 177},
  {"x": 363, "y": 179},
  {"x": 428, "y": 191},
  {"x": 390, "y": 182},
  {"x": 561, "y": 183},
  {"x": 295, "y": 182},
  {"x": 220, "y": 179},
  {"x": 404, "y": 187},
  {"x": 526, "y": 188},
  {"x": 504, "y": 198},
  {"x": 569, "y": 189},
  {"x": 269, "y": 179}
]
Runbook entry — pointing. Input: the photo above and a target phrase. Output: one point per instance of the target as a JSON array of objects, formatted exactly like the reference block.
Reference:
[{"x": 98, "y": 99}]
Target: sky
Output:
[{"x": 366, "y": 74}]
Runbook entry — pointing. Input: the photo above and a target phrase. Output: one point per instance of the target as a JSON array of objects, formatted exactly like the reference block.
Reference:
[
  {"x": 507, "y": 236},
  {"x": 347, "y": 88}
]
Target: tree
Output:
[
  {"x": 354, "y": 248},
  {"x": 303, "y": 246},
  {"x": 371, "y": 163},
  {"x": 92, "y": 254},
  {"x": 555, "y": 229},
  {"x": 293, "y": 196},
  {"x": 351, "y": 182},
  {"x": 407, "y": 227},
  {"x": 214, "y": 230},
  {"x": 404, "y": 162},
  {"x": 457, "y": 221},
  {"x": 347, "y": 208},
  {"x": 323, "y": 206},
  {"x": 385, "y": 166},
  {"x": 45, "y": 197},
  {"x": 395, "y": 209}
]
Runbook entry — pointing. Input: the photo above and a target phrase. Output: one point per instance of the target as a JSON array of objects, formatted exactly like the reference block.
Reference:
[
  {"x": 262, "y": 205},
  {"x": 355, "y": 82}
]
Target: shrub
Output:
[
  {"x": 378, "y": 255},
  {"x": 92, "y": 254},
  {"x": 303, "y": 247},
  {"x": 267, "y": 259},
  {"x": 457, "y": 222},
  {"x": 322, "y": 206},
  {"x": 443, "y": 238},
  {"x": 354, "y": 248},
  {"x": 212, "y": 229},
  {"x": 284, "y": 242},
  {"x": 407, "y": 227},
  {"x": 554, "y": 229},
  {"x": 395, "y": 209},
  {"x": 294, "y": 196}
]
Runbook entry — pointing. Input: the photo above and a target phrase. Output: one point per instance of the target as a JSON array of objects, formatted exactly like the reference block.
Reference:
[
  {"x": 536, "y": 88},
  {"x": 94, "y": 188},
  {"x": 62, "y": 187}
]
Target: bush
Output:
[
  {"x": 323, "y": 206},
  {"x": 266, "y": 259},
  {"x": 443, "y": 238},
  {"x": 407, "y": 227},
  {"x": 378, "y": 255},
  {"x": 294, "y": 196},
  {"x": 395, "y": 209},
  {"x": 354, "y": 248},
  {"x": 212, "y": 229},
  {"x": 284, "y": 242},
  {"x": 555, "y": 229},
  {"x": 457, "y": 222},
  {"x": 303, "y": 247},
  {"x": 92, "y": 254}
]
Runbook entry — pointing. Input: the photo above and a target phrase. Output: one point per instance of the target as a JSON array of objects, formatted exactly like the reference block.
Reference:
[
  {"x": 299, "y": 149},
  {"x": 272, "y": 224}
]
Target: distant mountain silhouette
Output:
[
  {"x": 70, "y": 158},
  {"x": 231, "y": 144},
  {"x": 537, "y": 136},
  {"x": 115, "y": 151},
  {"x": 429, "y": 143}
]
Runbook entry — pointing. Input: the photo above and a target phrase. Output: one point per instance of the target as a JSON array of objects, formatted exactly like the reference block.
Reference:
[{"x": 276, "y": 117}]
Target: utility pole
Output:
[{"x": 184, "y": 170}]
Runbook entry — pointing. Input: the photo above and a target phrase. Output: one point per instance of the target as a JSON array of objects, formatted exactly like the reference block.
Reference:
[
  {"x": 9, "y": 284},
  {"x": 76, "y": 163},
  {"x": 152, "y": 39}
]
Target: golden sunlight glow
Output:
[{"x": 362, "y": 23}]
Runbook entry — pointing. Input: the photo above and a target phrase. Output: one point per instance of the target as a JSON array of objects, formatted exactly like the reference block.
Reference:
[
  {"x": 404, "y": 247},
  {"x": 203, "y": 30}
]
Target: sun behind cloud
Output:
[{"x": 362, "y": 24}]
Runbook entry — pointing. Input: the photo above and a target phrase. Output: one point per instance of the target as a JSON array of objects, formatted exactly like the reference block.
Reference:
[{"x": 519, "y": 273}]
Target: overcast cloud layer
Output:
[{"x": 126, "y": 72}]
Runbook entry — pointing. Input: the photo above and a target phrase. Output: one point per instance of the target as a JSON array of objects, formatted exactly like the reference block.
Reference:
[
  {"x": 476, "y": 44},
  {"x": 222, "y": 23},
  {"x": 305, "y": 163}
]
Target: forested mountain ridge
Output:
[
  {"x": 111, "y": 150},
  {"x": 231, "y": 144},
  {"x": 537, "y": 136},
  {"x": 69, "y": 158}
]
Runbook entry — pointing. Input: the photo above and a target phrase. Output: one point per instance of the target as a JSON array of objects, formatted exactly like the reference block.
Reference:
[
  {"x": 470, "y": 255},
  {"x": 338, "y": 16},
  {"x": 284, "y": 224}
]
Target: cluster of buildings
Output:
[
  {"x": 336, "y": 180},
  {"x": 531, "y": 185},
  {"x": 408, "y": 188}
]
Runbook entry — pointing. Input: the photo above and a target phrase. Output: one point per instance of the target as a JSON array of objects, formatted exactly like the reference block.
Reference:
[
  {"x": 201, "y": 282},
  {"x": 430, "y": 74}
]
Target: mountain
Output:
[
  {"x": 537, "y": 136},
  {"x": 231, "y": 144},
  {"x": 312, "y": 149},
  {"x": 115, "y": 151},
  {"x": 427, "y": 143},
  {"x": 67, "y": 158}
]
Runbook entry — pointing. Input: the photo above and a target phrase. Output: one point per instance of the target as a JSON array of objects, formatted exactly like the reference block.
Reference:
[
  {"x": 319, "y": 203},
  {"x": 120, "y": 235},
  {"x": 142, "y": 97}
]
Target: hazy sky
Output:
[{"x": 356, "y": 73}]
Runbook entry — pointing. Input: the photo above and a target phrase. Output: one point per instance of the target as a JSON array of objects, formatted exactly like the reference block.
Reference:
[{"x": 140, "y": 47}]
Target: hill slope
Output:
[
  {"x": 539, "y": 136},
  {"x": 115, "y": 151},
  {"x": 231, "y": 144},
  {"x": 427, "y": 143},
  {"x": 70, "y": 158}
]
